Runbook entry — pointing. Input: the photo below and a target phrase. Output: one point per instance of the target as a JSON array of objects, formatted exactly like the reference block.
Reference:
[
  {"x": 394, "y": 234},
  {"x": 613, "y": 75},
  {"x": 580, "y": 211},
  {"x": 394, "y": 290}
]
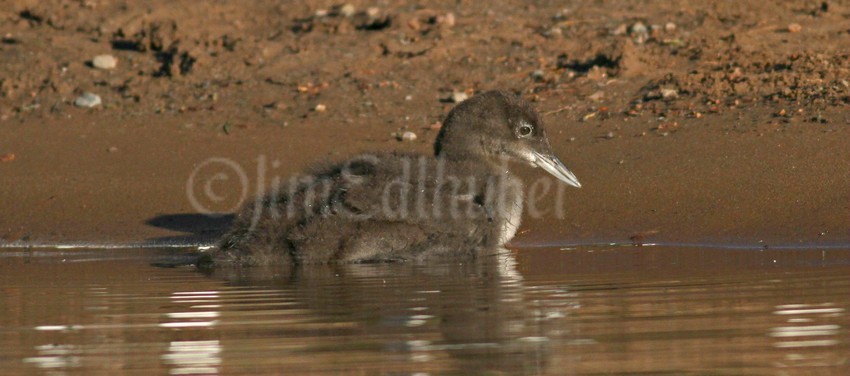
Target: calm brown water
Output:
[{"x": 619, "y": 310}]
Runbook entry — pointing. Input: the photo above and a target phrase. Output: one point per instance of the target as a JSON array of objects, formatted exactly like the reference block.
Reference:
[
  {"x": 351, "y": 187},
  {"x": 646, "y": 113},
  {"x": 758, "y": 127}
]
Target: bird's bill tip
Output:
[{"x": 554, "y": 166}]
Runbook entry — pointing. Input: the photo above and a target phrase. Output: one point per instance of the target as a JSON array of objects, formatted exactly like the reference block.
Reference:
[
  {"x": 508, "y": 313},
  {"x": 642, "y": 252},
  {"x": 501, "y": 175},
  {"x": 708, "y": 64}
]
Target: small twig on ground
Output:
[{"x": 557, "y": 110}]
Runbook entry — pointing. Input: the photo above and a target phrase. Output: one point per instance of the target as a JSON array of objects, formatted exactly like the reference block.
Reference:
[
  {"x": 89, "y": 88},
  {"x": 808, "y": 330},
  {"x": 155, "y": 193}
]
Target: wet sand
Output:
[{"x": 700, "y": 185}]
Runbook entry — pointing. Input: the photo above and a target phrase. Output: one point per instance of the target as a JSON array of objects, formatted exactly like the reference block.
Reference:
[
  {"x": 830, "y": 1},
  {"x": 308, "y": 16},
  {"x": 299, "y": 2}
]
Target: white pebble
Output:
[
  {"x": 408, "y": 136},
  {"x": 639, "y": 28},
  {"x": 347, "y": 10},
  {"x": 87, "y": 100},
  {"x": 554, "y": 32},
  {"x": 538, "y": 75},
  {"x": 320, "y": 108},
  {"x": 639, "y": 32},
  {"x": 459, "y": 96},
  {"x": 449, "y": 19},
  {"x": 668, "y": 93},
  {"x": 104, "y": 62},
  {"x": 597, "y": 96}
]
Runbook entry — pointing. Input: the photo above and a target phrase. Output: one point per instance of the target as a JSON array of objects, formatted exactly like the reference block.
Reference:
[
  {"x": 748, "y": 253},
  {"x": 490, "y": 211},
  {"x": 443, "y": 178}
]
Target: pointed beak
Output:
[{"x": 554, "y": 166}]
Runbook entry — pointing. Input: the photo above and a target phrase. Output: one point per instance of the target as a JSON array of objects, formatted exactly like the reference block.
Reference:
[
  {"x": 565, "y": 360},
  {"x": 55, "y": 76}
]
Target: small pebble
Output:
[
  {"x": 554, "y": 32},
  {"x": 275, "y": 106},
  {"x": 112, "y": 149},
  {"x": 597, "y": 73},
  {"x": 87, "y": 100},
  {"x": 597, "y": 96},
  {"x": 639, "y": 32},
  {"x": 620, "y": 30},
  {"x": 669, "y": 26},
  {"x": 609, "y": 135},
  {"x": 668, "y": 93},
  {"x": 795, "y": 28},
  {"x": 347, "y": 10},
  {"x": 408, "y": 136},
  {"x": 414, "y": 24},
  {"x": 8, "y": 157},
  {"x": 538, "y": 75},
  {"x": 408, "y": 97},
  {"x": 321, "y": 13},
  {"x": 448, "y": 20},
  {"x": 405, "y": 136},
  {"x": 320, "y": 108},
  {"x": 459, "y": 96},
  {"x": 561, "y": 14},
  {"x": 104, "y": 62}
]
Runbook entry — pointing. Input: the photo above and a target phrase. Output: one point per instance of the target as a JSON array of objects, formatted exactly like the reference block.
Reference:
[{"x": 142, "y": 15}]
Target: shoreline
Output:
[
  {"x": 685, "y": 123},
  {"x": 697, "y": 185}
]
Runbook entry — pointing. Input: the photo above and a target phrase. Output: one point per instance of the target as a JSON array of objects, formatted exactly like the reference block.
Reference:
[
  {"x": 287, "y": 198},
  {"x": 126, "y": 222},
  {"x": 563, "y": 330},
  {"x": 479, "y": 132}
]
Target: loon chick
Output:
[{"x": 401, "y": 206}]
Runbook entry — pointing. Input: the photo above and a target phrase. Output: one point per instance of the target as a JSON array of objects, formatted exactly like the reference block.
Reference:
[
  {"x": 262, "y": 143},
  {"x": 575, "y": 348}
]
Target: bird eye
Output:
[{"x": 525, "y": 130}]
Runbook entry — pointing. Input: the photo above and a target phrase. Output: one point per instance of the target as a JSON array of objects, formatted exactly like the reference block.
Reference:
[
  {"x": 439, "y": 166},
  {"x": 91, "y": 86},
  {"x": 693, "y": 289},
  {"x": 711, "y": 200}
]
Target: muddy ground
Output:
[{"x": 721, "y": 122}]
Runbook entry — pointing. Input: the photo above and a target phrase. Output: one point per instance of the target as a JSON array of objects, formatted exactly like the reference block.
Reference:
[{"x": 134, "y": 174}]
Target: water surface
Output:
[{"x": 589, "y": 310}]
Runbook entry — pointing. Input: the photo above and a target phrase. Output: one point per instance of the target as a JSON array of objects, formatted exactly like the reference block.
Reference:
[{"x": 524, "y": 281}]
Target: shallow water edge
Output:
[{"x": 588, "y": 310}]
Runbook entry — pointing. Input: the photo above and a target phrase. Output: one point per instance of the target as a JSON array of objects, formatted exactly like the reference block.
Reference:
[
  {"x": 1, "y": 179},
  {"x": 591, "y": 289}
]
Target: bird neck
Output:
[{"x": 488, "y": 164}]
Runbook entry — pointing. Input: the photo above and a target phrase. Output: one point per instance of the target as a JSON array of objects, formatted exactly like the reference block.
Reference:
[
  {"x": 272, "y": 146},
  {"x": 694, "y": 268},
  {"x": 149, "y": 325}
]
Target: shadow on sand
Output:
[{"x": 199, "y": 228}]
